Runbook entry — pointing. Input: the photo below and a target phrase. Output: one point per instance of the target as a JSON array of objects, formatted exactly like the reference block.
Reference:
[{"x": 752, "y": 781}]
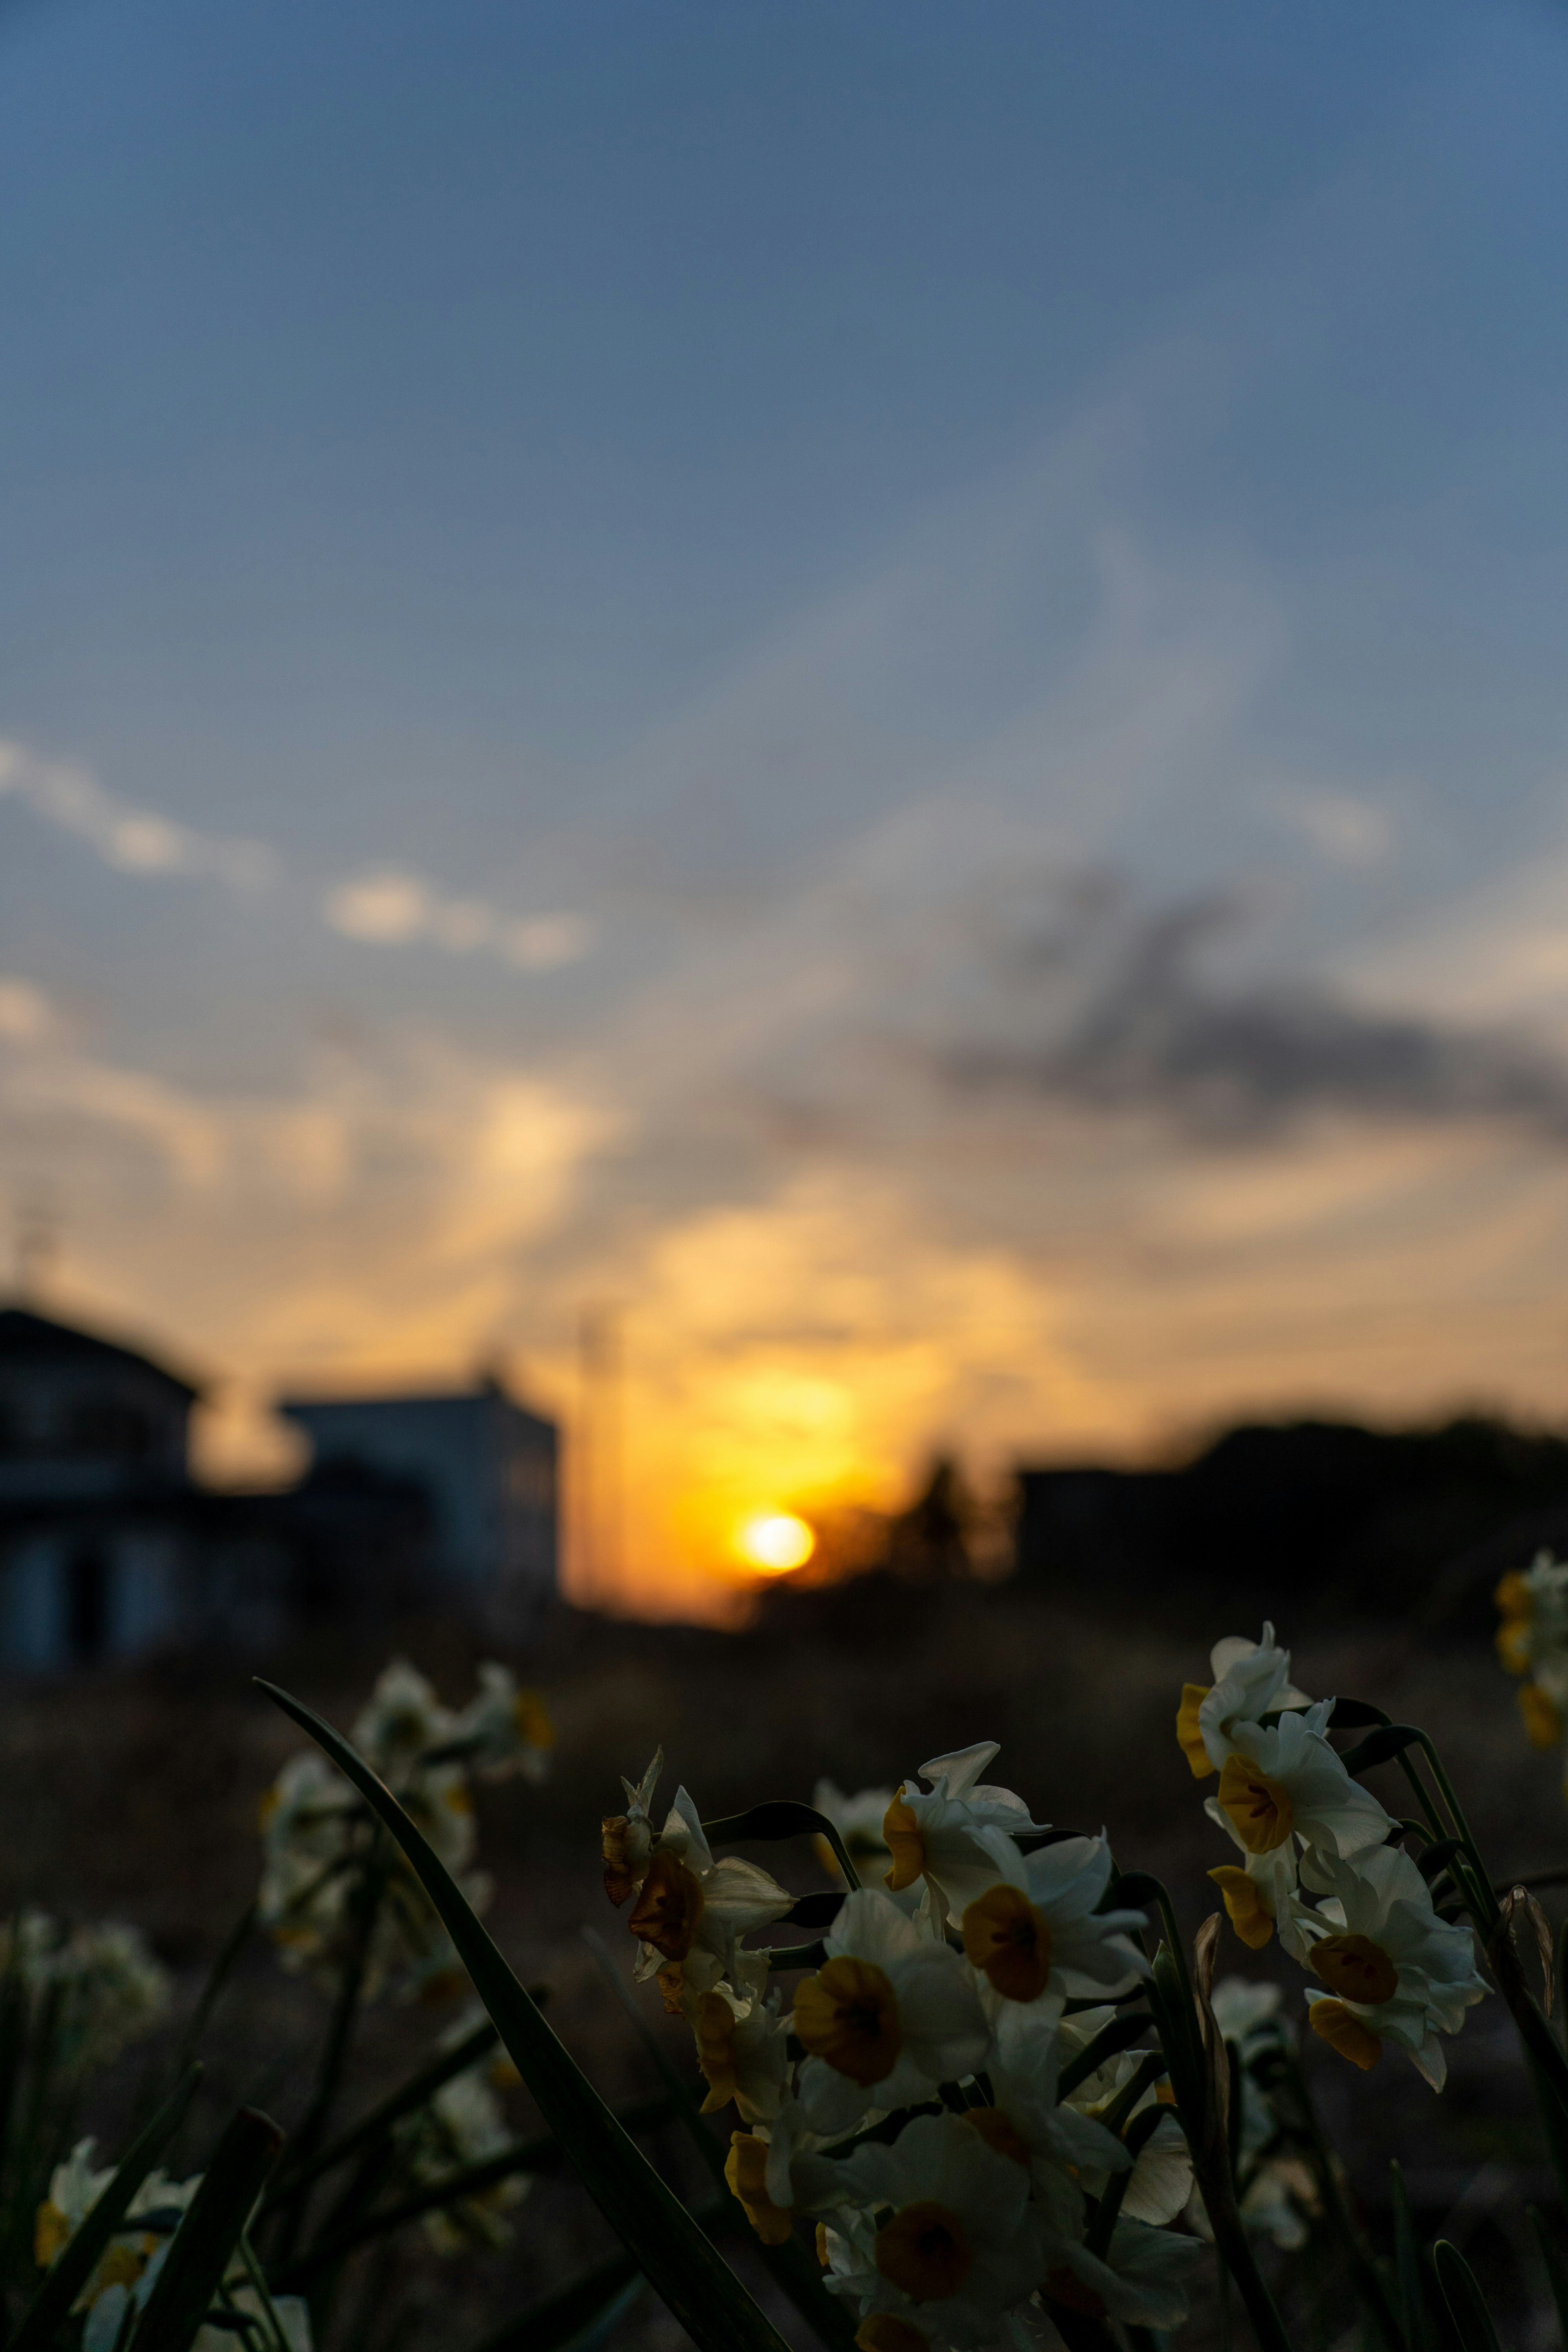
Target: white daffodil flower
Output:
[
  {"x": 1248, "y": 2016},
  {"x": 1141, "y": 2278},
  {"x": 400, "y": 1721},
  {"x": 686, "y": 1900},
  {"x": 628, "y": 1839},
  {"x": 955, "y": 2244},
  {"x": 1250, "y": 1679},
  {"x": 959, "y": 1838},
  {"x": 1260, "y": 1890},
  {"x": 1281, "y": 2201},
  {"x": 858, "y": 1821},
  {"x": 1037, "y": 1934},
  {"x": 504, "y": 1729},
  {"x": 463, "y": 2124},
  {"x": 1390, "y": 1968},
  {"x": 1028, "y": 2122},
  {"x": 1288, "y": 1780},
  {"x": 888, "y": 2017},
  {"x": 741, "y": 2034},
  {"x": 1163, "y": 2170}
]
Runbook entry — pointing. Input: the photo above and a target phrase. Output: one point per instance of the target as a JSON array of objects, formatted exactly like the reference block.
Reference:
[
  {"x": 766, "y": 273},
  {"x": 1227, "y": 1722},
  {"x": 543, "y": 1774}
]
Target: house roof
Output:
[{"x": 27, "y": 1338}]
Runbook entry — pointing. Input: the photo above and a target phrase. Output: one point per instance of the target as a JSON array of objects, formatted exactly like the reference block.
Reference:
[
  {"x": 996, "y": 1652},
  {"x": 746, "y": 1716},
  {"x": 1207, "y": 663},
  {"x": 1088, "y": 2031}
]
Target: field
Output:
[{"x": 135, "y": 1798}]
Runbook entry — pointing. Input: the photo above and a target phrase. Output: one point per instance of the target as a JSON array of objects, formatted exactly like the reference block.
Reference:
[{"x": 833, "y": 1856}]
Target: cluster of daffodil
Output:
[
  {"x": 1532, "y": 1641},
  {"x": 907, "y": 2098},
  {"x": 332, "y": 1894},
  {"x": 102, "y": 1986},
  {"x": 463, "y": 2124},
  {"x": 126, "y": 2273},
  {"x": 1320, "y": 1864}
]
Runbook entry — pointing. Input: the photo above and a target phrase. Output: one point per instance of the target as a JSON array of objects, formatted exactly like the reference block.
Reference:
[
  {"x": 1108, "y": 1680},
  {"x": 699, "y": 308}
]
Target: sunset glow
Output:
[{"x": 774, "y": 1542}]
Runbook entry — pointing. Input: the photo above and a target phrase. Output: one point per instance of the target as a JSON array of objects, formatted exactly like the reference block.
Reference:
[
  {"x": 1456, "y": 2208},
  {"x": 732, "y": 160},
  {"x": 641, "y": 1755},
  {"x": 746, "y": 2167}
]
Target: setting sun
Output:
[{"x": 774, "y": 1542}]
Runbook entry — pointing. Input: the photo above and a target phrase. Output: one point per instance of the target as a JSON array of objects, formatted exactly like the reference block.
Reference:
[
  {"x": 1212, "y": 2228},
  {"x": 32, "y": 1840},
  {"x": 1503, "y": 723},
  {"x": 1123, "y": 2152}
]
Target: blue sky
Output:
[{"x": 884, "y": 682}]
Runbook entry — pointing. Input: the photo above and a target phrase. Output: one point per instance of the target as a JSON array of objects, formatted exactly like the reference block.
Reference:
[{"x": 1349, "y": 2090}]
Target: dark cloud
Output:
[{"x": 1125, "y": 1017}]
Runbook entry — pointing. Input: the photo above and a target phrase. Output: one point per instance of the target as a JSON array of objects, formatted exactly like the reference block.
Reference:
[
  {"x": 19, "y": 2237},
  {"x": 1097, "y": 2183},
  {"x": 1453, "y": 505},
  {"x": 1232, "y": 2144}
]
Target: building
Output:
[
  {"x": 95, "y": 1555},
  {"x": 489, "y": 1467},
  {"x": 110, "y": 1549}
]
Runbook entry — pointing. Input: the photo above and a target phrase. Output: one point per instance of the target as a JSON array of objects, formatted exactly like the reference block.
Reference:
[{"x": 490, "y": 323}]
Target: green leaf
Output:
[
  {"x": 532, "y": 2156},
  {"x": 795, "y": 1956},
  {"x": 1472, "y": 2320},
  {"x": 571, "y": 2310},
  {"x": 679, "y": 2263},
  {"x": 1379, "y": 1746},
  {"x": 795, "y": 2272},
  {"x": 1412, "y": 2320},
  {"x": 1552, "y": 2261},
  {"x": 1355, "y": 1715},
  {"x": 205, "y": 2240},
  {"x": 781, "y": 1817},
  {"x": 416, "y": 2093},
  {"x": 77, "y": 2258},
  {"x": 1120, "y": 2034}
]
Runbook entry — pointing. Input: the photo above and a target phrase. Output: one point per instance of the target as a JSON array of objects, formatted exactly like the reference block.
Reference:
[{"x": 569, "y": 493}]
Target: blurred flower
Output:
[
  {"x": 463, "y": 2126},
  {"x": 503, "y": 1730},
  {"x": 107, "y": 1989},
  {"x": 858, "y": 1821}
]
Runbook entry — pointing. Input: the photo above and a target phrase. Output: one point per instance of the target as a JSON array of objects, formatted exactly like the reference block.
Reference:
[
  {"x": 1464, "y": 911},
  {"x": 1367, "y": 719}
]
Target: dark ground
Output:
[{"x": 134, "y": 1796}]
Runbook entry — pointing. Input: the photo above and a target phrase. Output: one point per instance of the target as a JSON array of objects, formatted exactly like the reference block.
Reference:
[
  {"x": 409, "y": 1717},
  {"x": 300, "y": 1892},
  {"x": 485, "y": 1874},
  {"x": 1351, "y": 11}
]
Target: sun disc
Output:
[{"x": 775, "y": 1541}]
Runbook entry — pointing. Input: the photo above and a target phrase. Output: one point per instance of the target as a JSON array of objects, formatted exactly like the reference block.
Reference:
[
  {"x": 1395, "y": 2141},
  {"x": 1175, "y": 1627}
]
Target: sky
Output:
[{"x": 875, "y": 692}]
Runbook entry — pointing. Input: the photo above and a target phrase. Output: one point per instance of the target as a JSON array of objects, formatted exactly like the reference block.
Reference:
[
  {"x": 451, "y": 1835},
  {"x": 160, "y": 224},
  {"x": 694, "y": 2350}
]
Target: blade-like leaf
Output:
[
  {"x": 1131, "y": 1889},
  {"x": 77, "y": 2258},
  {"x": 1472, "y": 2320},
  {"x": 416, "y": 2093},
  {"x": 1434, "y": 1858},
  {"x": 1379, "y": 1746},
  {"x": 194, "y": 2269},
  {"x": 1120, "y": 2034},
  {"x": 795, "y": 1956},
  {"x": 816, "y": 1910},
  {"x": 1413, "y": 2321},
  {"x": 546, "y": 2326},
  {"x": 1355, "y": 1715},
  {"x": 1551, "y": 2261},
  {"x": 781, "y": 1817},
  {"x": 532, "y": 2156},
  {"x": 680, "y": 2264},
  {"x": 795, "y": 2272}
]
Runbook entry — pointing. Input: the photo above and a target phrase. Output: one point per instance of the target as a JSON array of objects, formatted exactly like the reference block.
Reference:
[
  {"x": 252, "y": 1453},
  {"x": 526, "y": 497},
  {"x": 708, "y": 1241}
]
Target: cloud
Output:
[
  {"x": 1342, "y": 828},
  {"x": 390, "y": 907},
  {"x": 1126, "y": 1019},
  {"x": 131, "y": 840}
]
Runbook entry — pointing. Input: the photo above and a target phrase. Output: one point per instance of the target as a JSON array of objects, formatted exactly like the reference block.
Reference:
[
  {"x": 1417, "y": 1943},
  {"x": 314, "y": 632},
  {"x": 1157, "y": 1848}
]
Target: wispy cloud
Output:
[
  {"x": 389, "y": 908},
  {"x": 132, "y": 840},
  {"x": 384, "y": 906}
]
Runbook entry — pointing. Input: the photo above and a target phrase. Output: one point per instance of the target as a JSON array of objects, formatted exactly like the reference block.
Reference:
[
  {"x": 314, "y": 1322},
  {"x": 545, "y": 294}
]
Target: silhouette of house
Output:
[
  {"x": 109, "y": 1548},
  {"x": 94, "y": 1496},
  {"x": 487, "y": 1465}
]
